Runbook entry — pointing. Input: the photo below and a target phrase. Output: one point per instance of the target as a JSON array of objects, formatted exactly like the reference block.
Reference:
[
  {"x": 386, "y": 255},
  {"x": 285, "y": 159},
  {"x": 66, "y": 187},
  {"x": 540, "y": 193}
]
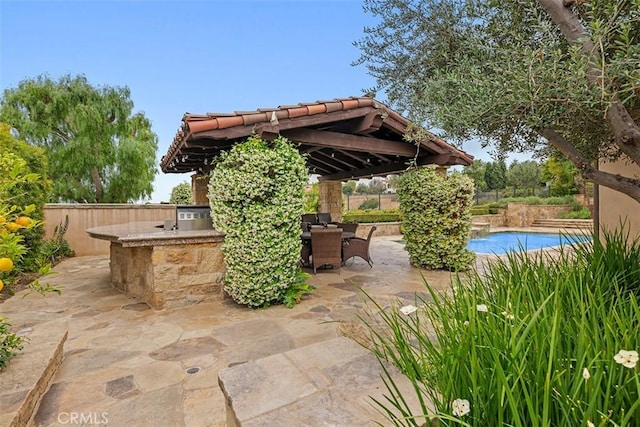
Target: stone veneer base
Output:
[{"x": 165, "y": 269}]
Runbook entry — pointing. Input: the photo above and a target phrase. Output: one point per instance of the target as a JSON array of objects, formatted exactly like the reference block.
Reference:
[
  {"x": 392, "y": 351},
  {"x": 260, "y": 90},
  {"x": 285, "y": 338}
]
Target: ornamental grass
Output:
[{"x": 534, "y": 340}]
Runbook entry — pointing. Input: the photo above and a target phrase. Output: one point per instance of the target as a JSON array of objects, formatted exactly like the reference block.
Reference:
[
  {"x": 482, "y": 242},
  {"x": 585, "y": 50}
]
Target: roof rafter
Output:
[{"x": 343, "y": 141}]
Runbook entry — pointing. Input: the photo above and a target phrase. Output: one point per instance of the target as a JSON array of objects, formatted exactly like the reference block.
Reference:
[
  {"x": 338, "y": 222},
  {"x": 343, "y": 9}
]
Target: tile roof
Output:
[{"x": 212, "y": 132}]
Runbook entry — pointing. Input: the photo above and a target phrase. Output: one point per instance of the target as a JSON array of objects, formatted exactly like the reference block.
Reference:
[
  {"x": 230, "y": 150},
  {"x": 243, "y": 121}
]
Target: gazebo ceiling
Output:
[{"x": 346, "y": 138}]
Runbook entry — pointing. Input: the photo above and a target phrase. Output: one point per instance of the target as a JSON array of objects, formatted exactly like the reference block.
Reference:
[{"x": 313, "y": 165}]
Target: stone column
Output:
[
  {"x": 330, "y": 199},
  {"x": 442, "y": 170},
  {"x": 200, "y": 189}
]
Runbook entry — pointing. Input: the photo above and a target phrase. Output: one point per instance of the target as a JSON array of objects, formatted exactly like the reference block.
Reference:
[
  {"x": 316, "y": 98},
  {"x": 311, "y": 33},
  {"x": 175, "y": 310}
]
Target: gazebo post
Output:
[
  {"x": 330, "y": 199},
  {"x": 200, "y": 189}
]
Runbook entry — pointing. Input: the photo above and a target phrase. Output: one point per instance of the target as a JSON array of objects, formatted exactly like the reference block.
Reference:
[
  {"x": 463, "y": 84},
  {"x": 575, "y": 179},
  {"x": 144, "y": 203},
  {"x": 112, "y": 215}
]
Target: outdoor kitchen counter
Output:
[
  {"x": 151, "y": 234},
  {"x": 165, "y": 269}
]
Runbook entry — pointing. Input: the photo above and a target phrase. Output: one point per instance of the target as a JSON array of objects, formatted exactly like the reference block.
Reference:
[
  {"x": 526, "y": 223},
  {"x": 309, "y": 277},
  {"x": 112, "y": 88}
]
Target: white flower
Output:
[
  {"x": 460, "y": 407},
  {"x": 627, "y": 358},
  {"x": 508, "y": 315},
  {"x": 482, "y": 308},
  {"x": 585, "y": 374},
  {"x": 465, "y": 323},
  {"x": 408, "y": 309},
  {"x": 590, "y": 424}
]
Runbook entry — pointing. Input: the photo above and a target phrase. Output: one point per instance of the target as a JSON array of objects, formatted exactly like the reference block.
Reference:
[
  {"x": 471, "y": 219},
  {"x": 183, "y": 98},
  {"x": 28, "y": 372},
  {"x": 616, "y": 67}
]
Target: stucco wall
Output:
[
  {"x": 84, "y": 216},
  {"x": 615, "y": 207}
]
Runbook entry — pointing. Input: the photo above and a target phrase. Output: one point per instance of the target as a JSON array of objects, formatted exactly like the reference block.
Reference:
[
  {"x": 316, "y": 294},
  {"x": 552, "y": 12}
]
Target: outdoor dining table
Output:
[{"x": 346, "y": 235}]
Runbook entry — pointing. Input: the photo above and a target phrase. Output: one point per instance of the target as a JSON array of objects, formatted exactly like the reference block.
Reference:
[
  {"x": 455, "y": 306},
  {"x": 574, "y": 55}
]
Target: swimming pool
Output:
[{"x": 503, "y": 242}]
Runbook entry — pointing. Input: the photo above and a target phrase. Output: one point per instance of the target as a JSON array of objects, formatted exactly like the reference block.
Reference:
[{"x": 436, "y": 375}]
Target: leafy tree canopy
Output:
[
  {"x": 476, "y": 171},
  {"x": 527, "y": 174},
  {"x": 98, "y": 149},
  {"x": 516, "y": 74},
  {"x": 181, "y": 194},
  {"x": 348, "y": 188}
]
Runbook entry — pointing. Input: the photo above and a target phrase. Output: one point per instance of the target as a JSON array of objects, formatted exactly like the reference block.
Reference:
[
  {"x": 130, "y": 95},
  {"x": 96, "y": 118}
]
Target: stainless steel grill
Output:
[{"x": 190, "y": 217}]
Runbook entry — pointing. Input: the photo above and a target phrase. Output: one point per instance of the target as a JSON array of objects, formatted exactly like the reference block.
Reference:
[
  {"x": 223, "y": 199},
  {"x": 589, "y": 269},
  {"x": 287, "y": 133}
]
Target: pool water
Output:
[{"x": 503, "y": 242}]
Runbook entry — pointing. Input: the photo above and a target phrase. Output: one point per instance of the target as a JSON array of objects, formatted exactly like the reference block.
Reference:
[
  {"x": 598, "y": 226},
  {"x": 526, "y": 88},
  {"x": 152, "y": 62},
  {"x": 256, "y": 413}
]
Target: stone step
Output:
[
  {"x": 326, "y": 383},
  {"x": 28, "y": 375}
]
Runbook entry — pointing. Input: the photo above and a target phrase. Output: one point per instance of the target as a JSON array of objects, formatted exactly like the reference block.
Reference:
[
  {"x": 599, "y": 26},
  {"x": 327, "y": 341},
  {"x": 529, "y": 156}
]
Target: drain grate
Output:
[{"x": 193, "y": 370}]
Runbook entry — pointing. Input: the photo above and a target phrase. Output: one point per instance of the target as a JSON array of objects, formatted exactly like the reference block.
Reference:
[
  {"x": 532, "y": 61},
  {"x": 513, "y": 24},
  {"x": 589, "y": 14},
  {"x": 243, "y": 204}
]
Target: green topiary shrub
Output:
[
  {"x": 436, "y": 218},
  {"x": 256, "y": 193}
]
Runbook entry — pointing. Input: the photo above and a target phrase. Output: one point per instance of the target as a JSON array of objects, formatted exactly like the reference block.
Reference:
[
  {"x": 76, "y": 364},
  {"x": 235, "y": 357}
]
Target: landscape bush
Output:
[
  {"x": 17, "y": 222},
  {"x": 533, "y": 340},
  {"x": 371, "y": 216},
  {"x": 24, "y": 192},
  {"x": 369, "y": 204},
  {"x": 256, "y": 193},
  {"x": 436, "y": 218}
]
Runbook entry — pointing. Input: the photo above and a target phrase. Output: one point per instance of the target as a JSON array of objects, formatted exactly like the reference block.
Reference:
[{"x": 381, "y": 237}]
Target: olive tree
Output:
[
  {"x": 523, "y": 75},
  {"x": 98, "y": 149}
]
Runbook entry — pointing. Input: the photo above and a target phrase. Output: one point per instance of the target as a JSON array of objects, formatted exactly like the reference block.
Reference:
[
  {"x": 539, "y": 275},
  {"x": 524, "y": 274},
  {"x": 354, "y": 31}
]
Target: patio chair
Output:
[
  {"x": 352, "y": 227},
  {"x": 305, "y": 253},
  {"x": 310, "y": 218},
  {"x": 324, "y": 218},
  {"x": 359, "y": 247},
  {"x": 326, "y": 247}
]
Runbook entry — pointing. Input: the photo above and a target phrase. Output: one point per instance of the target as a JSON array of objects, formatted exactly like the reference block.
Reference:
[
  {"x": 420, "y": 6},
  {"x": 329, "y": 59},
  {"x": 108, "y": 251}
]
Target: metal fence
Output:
[{"x": 482, "y": 197}]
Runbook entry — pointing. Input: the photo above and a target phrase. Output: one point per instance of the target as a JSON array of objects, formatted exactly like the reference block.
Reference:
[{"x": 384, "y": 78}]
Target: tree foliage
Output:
[
  {"x": 562, "y": 174},
  {"x": 527, "y": 174},
  {"x": 98, "y": 149},
  {"x": 516, "y": 74},
  {"x": 495, "y": 175},
  {"x": 181, "y": 194},
  {"x": 348, "y": 188},
  {"x": 476, "y": 171}
]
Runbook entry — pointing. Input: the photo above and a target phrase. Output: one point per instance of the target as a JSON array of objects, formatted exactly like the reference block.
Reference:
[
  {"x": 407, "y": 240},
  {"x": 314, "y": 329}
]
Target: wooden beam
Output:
[
  {"x": 388, "y": 168},
  {"x": 361, "y": 125},
  {"x": 343, "y": 141}
]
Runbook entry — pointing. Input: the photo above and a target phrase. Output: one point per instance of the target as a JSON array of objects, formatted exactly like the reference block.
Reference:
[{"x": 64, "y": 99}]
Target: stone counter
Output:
[{"x": 166, "y": 269}]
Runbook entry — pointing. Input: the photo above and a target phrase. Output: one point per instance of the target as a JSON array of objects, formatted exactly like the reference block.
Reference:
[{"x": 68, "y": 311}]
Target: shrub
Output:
[
  {"x": 536, "y": 340},
  {"x": 15, "y": 223},
  {"x": 256, "y": 194},
  {"x": 436, "y": 218},
  {"x": 369, "y": 204},
  {"x": 583, "y": 213},
  {"x": 373, "y": 216},
  {"x": 20, "y": 159},
  {"x": 10, "y": 343}
]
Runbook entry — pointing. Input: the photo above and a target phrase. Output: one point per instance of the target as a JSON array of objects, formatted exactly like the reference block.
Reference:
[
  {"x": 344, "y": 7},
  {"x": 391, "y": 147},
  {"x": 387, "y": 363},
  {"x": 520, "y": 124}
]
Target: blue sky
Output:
[{"x": 191, "y": 56}]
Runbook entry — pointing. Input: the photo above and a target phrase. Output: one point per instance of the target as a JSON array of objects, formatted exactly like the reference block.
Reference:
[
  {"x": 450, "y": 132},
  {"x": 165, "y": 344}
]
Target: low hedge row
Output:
[{"x": 371, "y": 216}]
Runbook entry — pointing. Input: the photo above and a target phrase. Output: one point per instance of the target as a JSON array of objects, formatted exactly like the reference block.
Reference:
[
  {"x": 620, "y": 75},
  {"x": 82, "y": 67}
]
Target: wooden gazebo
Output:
[{"x": 345, "y": 138}]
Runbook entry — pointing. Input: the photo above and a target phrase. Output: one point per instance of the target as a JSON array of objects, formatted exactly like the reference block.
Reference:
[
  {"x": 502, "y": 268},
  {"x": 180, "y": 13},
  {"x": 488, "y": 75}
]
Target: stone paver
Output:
[{"x": 126, "y": 364}]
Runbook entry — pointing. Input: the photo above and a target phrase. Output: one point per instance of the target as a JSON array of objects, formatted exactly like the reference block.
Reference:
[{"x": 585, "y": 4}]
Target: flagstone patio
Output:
[{"x": 127, "y": 364}]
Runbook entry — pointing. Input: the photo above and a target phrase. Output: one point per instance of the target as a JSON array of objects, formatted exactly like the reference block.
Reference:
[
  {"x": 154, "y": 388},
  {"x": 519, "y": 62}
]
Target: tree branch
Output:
[
  {"x": 623, "y": 184},
  {"x": 626, "y": 132},
  {"x": 97, "y": 182}
]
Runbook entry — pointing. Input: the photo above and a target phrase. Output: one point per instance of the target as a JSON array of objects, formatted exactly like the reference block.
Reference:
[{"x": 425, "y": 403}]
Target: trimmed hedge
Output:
[
  {"x": 436, "y": 221},
  {"x": 256, "y": 193},
  {"x": 372, "y": 216}
]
